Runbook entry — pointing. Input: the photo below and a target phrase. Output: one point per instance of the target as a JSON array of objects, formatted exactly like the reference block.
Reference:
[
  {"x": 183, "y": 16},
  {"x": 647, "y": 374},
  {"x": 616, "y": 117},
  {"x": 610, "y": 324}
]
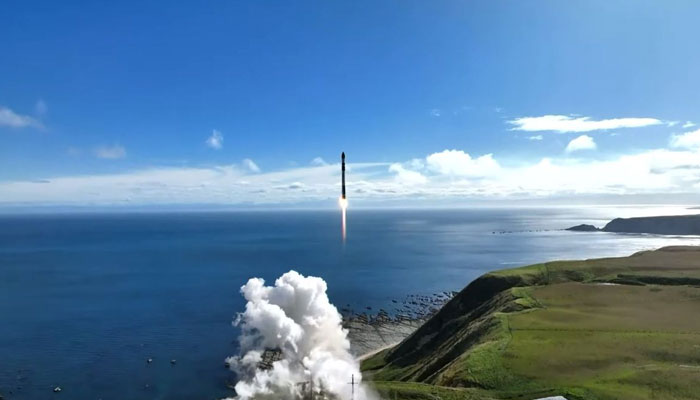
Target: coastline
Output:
[
  {"x": 527, "y": 333},
  {"x": 371, "y": 333}
]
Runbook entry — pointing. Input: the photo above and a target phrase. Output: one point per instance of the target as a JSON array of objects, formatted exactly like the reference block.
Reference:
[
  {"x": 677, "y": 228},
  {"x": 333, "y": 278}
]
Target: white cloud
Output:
[
  {"x": 583, "y": 142},
  {"x": 14, "y": 120},
  {"x": 110, "y": 152},
  {"x": 416, "y": 163},
  {"x": 319, "y": 161},
  {"x": 459, "y": 163},
  {"x": 406, "y": 176},
  {"x": 565, "y": 123},
  {"x": 688, "y": 124},
  {"x": 250, "y": 165},
  {"x": 659, "y": 171},
  {"x": 535, "y": 137},
  {"x": 435, "y": 112},
  {"x": 224, "y": 184},
  {"x": 216, "y": 140},
  {"x": 688, "y": 140}
]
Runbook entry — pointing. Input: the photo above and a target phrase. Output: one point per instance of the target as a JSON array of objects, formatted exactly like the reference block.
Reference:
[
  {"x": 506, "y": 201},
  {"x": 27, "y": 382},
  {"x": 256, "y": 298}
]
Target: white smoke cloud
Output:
[{"x": 296, "y": 317}]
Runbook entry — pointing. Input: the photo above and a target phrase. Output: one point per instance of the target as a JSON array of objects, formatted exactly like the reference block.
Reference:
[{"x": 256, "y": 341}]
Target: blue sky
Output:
[{"x": 117, "y": 103}]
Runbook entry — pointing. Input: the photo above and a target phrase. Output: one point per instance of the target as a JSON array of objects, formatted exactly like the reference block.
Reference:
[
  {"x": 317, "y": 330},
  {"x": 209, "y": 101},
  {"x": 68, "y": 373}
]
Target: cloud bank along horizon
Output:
[
  {"x": 295, "y": 317},
  {"x": 582, "y": 165}
]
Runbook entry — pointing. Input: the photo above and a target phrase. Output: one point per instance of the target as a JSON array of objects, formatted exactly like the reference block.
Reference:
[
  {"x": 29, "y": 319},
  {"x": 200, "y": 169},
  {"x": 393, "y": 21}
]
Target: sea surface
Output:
[{"x": 86, "y": 299}]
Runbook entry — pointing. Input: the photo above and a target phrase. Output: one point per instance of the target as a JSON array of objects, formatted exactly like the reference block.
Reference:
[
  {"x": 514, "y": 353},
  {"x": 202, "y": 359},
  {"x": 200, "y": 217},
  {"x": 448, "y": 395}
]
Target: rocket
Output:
[{"x": 342, "y": 162}]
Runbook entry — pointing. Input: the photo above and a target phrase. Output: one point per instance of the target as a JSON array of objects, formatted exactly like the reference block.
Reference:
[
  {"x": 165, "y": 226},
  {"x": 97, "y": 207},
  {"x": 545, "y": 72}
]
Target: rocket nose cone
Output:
[{"x": 342, "y": 155}]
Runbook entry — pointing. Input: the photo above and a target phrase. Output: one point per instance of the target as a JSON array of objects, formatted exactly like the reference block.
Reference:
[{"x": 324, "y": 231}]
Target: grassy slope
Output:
[{"x": 554, "y": 329}]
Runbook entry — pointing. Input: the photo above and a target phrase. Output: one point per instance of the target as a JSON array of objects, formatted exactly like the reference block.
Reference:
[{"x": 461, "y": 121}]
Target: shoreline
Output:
[
  {"x": 576, "y": 304},
  {"x": 371, "y": 333}
]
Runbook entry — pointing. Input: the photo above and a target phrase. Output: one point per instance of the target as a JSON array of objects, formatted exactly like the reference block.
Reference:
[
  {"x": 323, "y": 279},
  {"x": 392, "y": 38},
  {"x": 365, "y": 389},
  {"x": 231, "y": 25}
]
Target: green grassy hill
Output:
[{"x": 614, "y": 328}]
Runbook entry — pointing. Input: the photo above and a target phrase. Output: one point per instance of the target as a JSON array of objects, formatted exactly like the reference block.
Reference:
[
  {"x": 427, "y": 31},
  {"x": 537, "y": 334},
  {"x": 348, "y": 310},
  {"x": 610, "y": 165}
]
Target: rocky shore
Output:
[{"x": 370, "y": 332}]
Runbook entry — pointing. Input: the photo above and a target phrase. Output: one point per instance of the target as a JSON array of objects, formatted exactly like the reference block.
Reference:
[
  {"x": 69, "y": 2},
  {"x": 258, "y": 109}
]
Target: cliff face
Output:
[
  {"x": 561, "y": 328},
  {"x": 461, "y": 323},
  {"x": 667, "y": 225}
]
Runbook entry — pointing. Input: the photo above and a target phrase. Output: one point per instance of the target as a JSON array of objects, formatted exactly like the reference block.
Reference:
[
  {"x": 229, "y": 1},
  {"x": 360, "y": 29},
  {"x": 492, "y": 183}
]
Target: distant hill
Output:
[
  {"x": 583, "y": 228},
  {"x": 665, "y": 225},
  {"x": 612, "y": 328},
  {"x": 668, "y": 225}
]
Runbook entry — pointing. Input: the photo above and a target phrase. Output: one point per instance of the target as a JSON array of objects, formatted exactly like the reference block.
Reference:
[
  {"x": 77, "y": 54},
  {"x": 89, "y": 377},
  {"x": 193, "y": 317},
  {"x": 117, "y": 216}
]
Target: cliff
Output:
[
  {"x": 595, "y": 329},
  {"x": 668, "y": 225}
]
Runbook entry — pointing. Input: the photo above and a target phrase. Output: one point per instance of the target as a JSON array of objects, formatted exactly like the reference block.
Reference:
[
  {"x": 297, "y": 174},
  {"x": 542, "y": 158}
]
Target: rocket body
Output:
[{"x": 342, "y": 161}]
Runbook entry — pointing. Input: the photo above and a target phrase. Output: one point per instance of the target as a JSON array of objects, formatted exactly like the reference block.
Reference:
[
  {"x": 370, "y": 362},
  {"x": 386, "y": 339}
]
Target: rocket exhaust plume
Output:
[
  {"x": 343, "y": 201},
  {"x": 296, "y": 318}
]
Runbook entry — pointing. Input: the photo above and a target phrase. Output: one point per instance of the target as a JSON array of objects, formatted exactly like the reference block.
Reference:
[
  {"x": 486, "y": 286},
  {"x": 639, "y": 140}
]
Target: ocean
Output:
[{"x": 87, "y": 298}]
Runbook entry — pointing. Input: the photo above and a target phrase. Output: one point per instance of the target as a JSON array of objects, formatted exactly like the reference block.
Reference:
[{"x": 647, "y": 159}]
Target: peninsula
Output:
[
  {"x": 611, "y": 328},
  {"x": 664, "y": 225}
]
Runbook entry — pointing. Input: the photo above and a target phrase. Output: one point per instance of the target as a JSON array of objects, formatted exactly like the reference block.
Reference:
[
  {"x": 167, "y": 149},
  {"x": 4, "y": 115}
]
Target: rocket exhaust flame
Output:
[{"x": 343, "y": 208}]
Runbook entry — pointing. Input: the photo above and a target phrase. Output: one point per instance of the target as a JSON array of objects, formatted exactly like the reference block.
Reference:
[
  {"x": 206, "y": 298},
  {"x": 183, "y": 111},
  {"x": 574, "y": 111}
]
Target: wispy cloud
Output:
[
  {"x": 223, "y": 184},
  {"x": 583, "y": 142},
  {"x": 319, "y": 161},
  {"x": 688, "y": 124},
  {"x": 452, "y": 174},
  {"x": 250, "y": 165},
  {"x": 216, "y": 140},
  {"x": 14, "y": 120},
  {"x": 688, "y": 140},
  {"x": 566, "y": 123},
  {"x": 113, "y": 152},
  {"x": 435, "y": 112},
  {"x": 292, "y": 186},
  {"x": 535, "y": 137}
]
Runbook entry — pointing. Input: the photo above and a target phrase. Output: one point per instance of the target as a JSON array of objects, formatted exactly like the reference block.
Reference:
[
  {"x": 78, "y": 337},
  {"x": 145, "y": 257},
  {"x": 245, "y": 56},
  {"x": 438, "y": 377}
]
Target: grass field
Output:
[{"x": 560, "y": 329}]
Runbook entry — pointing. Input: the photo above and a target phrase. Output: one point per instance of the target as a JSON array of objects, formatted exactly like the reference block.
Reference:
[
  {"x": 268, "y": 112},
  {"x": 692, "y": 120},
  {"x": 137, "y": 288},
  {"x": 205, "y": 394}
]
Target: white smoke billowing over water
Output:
[{"x": 296, "y": 317}]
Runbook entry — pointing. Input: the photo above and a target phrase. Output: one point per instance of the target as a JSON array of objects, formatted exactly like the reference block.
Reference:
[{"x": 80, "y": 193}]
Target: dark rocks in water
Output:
[
  {"x": 173, "y": 361},
  {"x": 57, "y": 389},
  {"x": 583, "y": 228}
]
